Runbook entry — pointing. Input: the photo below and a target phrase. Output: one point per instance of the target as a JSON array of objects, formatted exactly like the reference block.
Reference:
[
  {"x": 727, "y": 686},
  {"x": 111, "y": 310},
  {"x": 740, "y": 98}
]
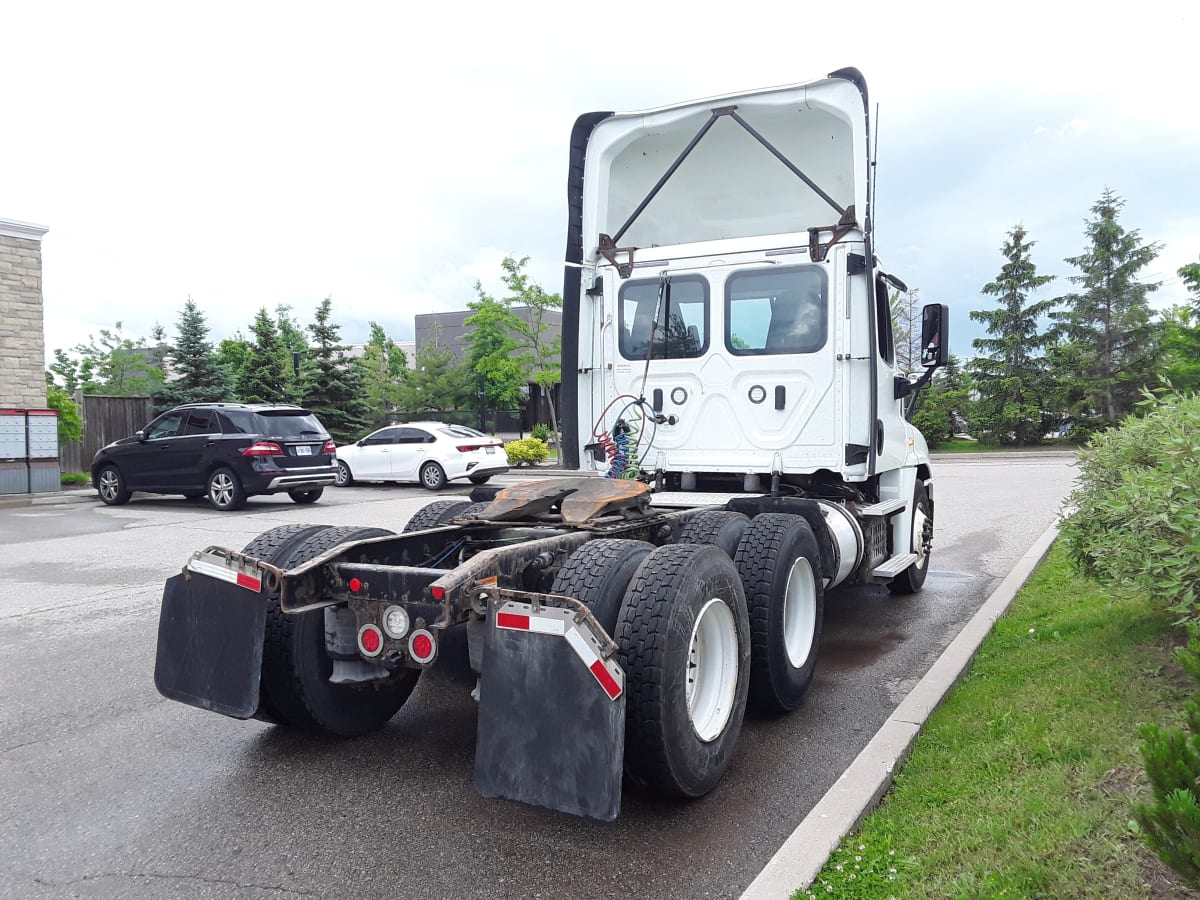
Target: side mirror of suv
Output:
[{"x": 141, "y": 436}]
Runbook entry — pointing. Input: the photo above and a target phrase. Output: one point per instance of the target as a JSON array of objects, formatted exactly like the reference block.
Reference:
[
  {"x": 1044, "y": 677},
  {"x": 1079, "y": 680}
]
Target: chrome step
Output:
[
  {"x": 895, "y": 565},
  {"x": 882, "y": 508}
]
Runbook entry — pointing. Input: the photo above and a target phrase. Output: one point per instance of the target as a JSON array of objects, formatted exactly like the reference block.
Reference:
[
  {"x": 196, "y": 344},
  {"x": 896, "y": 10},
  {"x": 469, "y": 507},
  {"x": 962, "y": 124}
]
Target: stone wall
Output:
[{"x": 22, "y": 340}]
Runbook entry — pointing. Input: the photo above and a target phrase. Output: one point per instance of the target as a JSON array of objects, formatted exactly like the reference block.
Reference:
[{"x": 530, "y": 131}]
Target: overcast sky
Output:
[{"x": 248, "y": 154}]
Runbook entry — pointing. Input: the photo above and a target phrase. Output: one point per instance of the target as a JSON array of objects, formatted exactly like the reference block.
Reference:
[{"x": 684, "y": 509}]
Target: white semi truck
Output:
[{"x": 732, "y": 404}]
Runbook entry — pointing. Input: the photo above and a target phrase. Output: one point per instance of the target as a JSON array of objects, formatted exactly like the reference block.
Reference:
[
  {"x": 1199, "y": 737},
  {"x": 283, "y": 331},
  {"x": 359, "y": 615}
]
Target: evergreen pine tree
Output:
[
  {"x": 264, "y": 371},
  {"x": 1108, "y": 320},
  {"x": 197, "y": 375},
  {"x": 1011, "y": 374},
  {"x": 331, "y": 382}
]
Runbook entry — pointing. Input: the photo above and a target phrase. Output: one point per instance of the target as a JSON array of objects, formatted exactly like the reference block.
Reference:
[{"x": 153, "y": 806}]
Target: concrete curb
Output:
[
  {"x": 53, "y": 498},
  {"x": 802, "y": 856}
]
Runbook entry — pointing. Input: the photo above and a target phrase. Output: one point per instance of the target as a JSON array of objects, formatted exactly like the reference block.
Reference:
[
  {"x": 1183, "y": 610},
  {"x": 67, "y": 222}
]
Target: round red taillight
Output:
[
  {"x": 421, "y": 646},
  {"x": 370, "y": 640},
  {"x": 355, "y": 585}
]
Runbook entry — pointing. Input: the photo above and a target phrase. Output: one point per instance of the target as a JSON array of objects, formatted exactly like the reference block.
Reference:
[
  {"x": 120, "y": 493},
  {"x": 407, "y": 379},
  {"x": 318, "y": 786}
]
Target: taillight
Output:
[
  {"x": 263, "y": 448},
  {"x": 370, "y": 640},
  {"x": 421, "y": 646},
  {"x": 467, "y": 448},
  {"x": 330, "y": 447}
]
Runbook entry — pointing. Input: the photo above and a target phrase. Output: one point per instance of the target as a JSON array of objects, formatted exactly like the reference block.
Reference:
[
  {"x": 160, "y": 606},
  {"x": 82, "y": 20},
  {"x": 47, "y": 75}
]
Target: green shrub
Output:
[
  {"x": 527, "y": 451},
  {"x": 541, "y": 431},
  {"x": 1136, "y": 522},
  {"x": 75, "y": 478},
  {"x": 1171, "y": 824}
]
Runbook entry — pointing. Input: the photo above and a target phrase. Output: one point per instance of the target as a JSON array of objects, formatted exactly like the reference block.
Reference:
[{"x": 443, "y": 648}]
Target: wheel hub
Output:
[
  {"x": 799, "y": 612},
  {"x": 712, "y": 664}
]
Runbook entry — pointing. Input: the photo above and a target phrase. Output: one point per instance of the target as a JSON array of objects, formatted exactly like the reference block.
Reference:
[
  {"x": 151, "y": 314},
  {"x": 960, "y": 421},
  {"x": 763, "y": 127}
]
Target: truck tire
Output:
[
  {"x": 684, "y": 643},
  {"x": 719, "y": 527},
  {"x": 439, "y": 512},
  {"x": 779, "y": 563},
  {"x": 598, "y": 574},
  {"x": 274, "y": 547},
  {"x": 296, "y": 668},
  {"x": 912, "y": 579}
]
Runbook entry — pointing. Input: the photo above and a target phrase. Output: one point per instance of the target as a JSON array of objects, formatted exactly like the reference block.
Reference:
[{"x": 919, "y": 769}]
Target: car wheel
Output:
[
  {"x": 433, "y": 476},
  {"x": 225, "y": 492},
  {"x": 312, "y": 495},
  {"x": 478, "y": 479},
  {"x": 344, "y": 476},
  {"x": 111, "y": 486}
]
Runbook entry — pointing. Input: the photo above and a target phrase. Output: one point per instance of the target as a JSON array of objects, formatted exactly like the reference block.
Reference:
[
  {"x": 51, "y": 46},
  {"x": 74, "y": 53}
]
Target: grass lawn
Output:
[
  {"x": 1021, "y": 783},
  {"x": 960, "y": 446}
]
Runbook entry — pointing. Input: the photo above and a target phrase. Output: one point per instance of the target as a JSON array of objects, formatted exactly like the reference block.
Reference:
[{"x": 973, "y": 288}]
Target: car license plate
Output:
[
  {"x": 489, "y": 449},
  {"x": 304, "y": 450}
]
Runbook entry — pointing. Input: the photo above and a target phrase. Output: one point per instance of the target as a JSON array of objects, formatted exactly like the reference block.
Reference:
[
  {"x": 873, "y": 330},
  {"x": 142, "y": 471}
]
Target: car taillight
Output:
[
  {"x": 467, "y": 448},
  {"x": 263, "y": 448},
  {"x": 330, "y": 447}
]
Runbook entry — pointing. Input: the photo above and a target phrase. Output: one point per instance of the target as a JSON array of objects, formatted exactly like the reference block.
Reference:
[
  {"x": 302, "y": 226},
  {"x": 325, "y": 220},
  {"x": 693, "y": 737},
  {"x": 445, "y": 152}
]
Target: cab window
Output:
[
  {"x": 675, "y": 312},
  {"x": 776, "y": 310}
]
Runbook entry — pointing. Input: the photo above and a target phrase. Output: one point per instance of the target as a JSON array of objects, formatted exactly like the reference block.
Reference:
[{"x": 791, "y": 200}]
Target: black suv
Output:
[{"x": 225, "y": 451}]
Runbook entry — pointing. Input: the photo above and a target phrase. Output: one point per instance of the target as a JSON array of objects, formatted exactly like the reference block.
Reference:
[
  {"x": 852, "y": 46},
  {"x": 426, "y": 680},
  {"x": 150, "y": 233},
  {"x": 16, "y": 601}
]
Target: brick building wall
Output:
[{"x": 22, "y": 340}]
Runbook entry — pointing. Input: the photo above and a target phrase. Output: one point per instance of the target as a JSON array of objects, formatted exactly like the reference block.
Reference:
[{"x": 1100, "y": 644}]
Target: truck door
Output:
[{"x": 741, "y": 357}]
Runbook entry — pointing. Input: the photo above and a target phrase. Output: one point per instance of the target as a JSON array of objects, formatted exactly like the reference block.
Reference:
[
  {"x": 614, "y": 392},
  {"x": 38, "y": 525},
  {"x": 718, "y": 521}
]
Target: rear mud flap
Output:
[
  {"x": 551, "y": 732},
  {"x": 210, "y": 644}
]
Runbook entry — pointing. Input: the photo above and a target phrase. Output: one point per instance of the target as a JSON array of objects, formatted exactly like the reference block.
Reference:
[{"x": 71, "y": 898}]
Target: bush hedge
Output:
[
  {"x": 526, "y": 452},
  {"x": 1136, "y": 518}
]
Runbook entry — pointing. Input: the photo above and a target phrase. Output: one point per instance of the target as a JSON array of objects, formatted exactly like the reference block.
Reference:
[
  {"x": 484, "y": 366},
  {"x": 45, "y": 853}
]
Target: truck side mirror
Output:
[{"x": 935, "y": 346}]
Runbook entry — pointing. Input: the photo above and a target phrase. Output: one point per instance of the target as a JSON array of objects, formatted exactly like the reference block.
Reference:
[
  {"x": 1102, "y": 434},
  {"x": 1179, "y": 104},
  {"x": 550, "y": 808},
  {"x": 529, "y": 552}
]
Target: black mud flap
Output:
[
  {"x": 210, "y": 644},
  {"x": 551, "y": 715}
]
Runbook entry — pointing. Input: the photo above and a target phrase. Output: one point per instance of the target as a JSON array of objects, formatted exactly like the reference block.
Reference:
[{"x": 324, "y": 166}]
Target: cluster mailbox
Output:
[{"x": 29, "y": 451}]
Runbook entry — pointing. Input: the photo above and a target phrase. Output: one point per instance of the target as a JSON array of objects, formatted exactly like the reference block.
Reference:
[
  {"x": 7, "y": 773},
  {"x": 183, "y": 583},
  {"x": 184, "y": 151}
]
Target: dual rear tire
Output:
[
  {"x": 295, "y": 689},
  {"x": 730, "y": 615}
]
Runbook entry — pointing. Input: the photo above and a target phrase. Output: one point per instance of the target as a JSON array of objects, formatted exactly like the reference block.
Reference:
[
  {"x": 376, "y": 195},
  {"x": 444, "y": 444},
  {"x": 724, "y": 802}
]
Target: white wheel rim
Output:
[
  {"x": 712, "y": 670},
  {"x": 108, "y": 484},
  {"x": 431, "y": 476},
  {"x": 221, "y": 489},
  {"x": 799, "y": 612},
  {"x": 920, "y": 547}
]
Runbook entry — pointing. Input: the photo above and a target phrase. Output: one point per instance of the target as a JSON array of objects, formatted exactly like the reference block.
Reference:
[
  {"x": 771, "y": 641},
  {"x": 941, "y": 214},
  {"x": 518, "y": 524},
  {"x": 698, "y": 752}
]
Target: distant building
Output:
[{"x": 451, "y": 333}]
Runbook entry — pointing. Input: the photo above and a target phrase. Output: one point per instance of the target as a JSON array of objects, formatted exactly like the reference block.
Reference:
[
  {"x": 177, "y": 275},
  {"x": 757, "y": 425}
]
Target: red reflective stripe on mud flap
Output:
[
  {"x": 246, "y": 581},
  {"x": 512, "y": 620},
  {"x": 606, "y": 680}
]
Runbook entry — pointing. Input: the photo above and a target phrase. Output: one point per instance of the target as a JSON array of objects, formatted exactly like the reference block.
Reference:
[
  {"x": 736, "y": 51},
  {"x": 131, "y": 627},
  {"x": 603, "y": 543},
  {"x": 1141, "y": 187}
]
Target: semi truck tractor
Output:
[{"x": 735, "y": 421}]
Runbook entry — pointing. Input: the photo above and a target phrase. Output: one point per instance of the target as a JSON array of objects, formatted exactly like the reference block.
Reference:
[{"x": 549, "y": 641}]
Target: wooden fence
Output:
[{"x": 105, "y": 419}]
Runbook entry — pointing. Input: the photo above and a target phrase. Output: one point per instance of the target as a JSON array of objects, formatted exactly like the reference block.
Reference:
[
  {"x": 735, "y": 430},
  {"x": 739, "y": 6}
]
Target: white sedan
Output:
[{"x": 431, "y": 453}]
